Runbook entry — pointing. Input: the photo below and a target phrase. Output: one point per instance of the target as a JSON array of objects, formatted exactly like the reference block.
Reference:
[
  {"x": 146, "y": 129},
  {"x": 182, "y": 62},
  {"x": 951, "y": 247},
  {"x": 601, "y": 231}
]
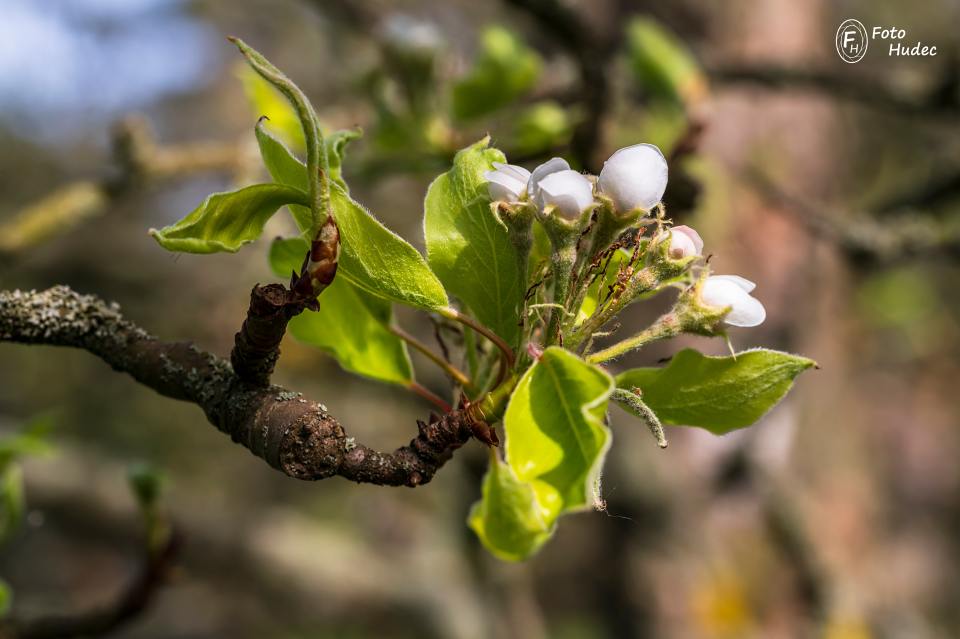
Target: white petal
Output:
[
  {"x": 746, "y": 313},
  {"x": 502, "y": 187},
  {"x": 514, "y": 171},
  {"x": 635, "y": 177},
  {"x": 571, "y": 192},
  {"x": 693, "y": 236},
  {"x": 742, "y": 282},
  {"x": 725, "y": 290},
  {"x": 550, "y": 166}
]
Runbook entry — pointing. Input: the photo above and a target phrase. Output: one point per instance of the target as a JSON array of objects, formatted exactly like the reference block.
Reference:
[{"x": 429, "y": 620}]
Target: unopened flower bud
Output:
[
  {"x": 635, "y": 177},
  {"x": 734, "y": 291},
  {"x": 684, "y": 242},
  {"x": 569, "y": 191},
  {"x": 507, "y": 183},
  {"x": 553, "y": 165}
]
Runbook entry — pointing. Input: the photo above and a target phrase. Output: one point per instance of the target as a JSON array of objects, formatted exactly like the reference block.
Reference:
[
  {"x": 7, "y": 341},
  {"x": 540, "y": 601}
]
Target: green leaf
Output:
[
  {"x": 285, "y": 168},
  {"x": 351, "y": 325},
  {"x": 379, "y": 261},
  {"x": 507, "y": 519},
  {"x": 335, "y": 146},
  {"x": 146, "y": 483},
  {"x": 468, "y": 248},
  {"x": 662, "y": 64},
  {"x": 505, "y": 69},
  {"x": 717, "y": 393},
  {"x": 556, "y": 436},
  {"x": 268, "y": 101},
  {"x": 12, "y": 501},
  {"x": 227, "y": 221},
  {"x": 6, "y": 598},
  {"x": 540, "y": 128}
]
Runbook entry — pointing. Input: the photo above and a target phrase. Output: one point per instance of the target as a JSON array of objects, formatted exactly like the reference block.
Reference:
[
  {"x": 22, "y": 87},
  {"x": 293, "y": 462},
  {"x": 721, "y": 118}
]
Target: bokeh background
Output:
[{"x": 835, "y": 187}]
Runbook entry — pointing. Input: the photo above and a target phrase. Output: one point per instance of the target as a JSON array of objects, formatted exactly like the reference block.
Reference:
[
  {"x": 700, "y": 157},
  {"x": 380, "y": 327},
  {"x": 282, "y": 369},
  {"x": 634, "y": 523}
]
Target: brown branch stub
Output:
[
  {"x": 294, "y": 435},
  {"x": 257, "y": 344}
]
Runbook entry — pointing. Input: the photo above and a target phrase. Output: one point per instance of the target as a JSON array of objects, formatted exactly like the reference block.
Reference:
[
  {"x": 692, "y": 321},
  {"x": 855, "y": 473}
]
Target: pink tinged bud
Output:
[
  {"x": 569, "y": 191},
  {"x": 552, "y": 165},
  {"x": 507, "y": 183},
  {"x": 684, "y": 242},
  {"x": 734, "y": 291},
  {"x": 635, "y": 177}
]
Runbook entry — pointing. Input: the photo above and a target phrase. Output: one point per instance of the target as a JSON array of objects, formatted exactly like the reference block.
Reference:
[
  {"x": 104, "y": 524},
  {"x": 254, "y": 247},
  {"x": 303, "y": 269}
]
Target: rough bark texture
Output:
[{"x": 292, "y": 434}]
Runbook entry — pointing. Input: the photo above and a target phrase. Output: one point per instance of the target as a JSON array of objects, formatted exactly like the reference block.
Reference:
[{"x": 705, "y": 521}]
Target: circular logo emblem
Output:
[{"x": 851, "y": 41}]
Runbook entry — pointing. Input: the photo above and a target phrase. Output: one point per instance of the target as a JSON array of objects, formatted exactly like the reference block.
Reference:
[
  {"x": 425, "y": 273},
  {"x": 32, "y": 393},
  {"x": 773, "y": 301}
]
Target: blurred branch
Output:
[
  {"x": 861, "y": 237},
  {"x": 137, "y": 159},
  {"x": 941, "y": 102},
  {"x": 154, "y": 571},
  {"x": 294, "y": 435},
  {"x": 785, "y": 527}
]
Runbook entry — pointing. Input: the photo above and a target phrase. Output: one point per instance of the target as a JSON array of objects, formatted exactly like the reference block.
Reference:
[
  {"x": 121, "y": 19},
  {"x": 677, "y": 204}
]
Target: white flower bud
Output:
[
  {"x": 410, "y": 34},
  {"x": 635, "y": 177},
  {"x": 684, "y": 242},
  {"x": 734, "y": 291},
  {"x": 507, "y": 183},
  {"x": 571, "y": 192},
  {"x": 552, "y": 165}
]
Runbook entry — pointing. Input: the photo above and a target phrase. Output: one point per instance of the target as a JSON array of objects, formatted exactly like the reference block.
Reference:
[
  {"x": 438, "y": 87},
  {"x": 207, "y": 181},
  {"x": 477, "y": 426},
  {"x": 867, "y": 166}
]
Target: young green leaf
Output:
[
  {"x": 227, "y": 221},
  {"x": 351, "y": 325},
  {"x": 662, "y": 64},
  {"x": 12, "y": 502},
  {"x": 266, "y": 100},
  {"x": 717, "y": 393},
  {"x": 380, "y": 262},
  {"x": 505, "y": 69},
  {"x": 556, "y": 436},
  {"x": 318, "y": 181},
  {"x": 6, "y": 598},
  {"x": 508, "y": 519},
  {"x": 468, "y": 248},
  {"x": 286, "y": 168}
]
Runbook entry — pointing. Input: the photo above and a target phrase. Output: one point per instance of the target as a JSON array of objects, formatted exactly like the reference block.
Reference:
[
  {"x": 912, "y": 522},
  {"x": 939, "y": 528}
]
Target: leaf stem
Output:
[
  {"x": 455, "y": 373},
  {"x": 666, "y": 326},
  {"x": 430, "y": 396},
  {"x": 507, "y": 359}
]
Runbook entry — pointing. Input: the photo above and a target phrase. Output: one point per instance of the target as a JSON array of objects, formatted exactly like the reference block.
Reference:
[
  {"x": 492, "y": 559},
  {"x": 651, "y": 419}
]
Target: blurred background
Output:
[{"x": 834, "y": 186}]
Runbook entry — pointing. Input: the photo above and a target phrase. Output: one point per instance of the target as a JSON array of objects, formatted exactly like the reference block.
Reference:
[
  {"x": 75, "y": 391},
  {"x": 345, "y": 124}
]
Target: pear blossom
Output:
[
  {"x": 569, "y": 191},
  {"x": 553, "y": 165},
  {"x": 684, "y": 242},
  {"x": 507, "y": 183},
  {"x": 734, "y": 291},
  {"x": 635, "y": 177}
]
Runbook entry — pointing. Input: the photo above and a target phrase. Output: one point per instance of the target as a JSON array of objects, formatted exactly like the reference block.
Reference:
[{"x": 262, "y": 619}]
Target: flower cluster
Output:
[{"x": 632, "y": 179}]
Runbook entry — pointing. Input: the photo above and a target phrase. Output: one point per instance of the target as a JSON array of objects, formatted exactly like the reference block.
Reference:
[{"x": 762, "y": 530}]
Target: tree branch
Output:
[
  {"x": 941, "y": 102},
  {"x": 862, "y": 237},
  {"x": 130, "y": 604},
  {"x": 294, "y": 435}
]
